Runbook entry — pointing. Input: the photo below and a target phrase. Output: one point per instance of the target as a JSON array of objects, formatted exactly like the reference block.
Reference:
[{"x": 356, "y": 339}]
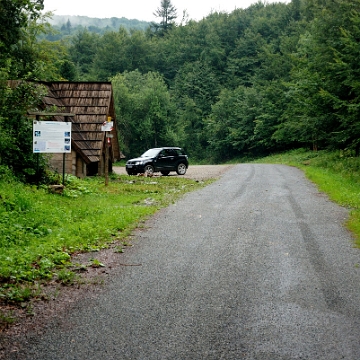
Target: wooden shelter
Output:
[{"x": 92, "y": 104}]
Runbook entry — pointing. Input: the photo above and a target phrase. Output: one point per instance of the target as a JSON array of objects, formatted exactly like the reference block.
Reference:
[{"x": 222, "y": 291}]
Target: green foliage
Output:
[
  {"x": 22, "y": 56},
  {"x": 39, "y": 230},
  {"x": 244, "y": 59},
  {"x": 66, "y": 277},
  {"x": 115, "y": 52},
  {"x": 323, "y": 93},
  {"x": 16, "y": 130},
  {"x": 232, "y": 121},
  {"x": 68, "y": 70},
  {"x": 28, "y": 57},
  {"x": 6, "y": 319},
  {"x": 13, "y": 18},
  {"x": 96, "y": 263},
  {"x": 65, "y": 25},
  {"x": 111, "y": 58},
  {"x": 167, "y": 13},
  {"x": 17, "y": 294},
  {"x": 82, "y": 51},
  {"x": 144, "y": 112}
]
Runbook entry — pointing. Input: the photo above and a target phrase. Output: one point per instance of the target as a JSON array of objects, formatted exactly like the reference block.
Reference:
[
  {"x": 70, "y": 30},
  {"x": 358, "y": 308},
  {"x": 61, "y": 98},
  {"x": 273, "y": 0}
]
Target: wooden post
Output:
[
  {"x": 64, "y": 160},
  {"x": 106, "y": 159},
  {"x": 37, "y": 161},
  {"x": 107, "y": 127},
  {"x": 63, "y": 182}
]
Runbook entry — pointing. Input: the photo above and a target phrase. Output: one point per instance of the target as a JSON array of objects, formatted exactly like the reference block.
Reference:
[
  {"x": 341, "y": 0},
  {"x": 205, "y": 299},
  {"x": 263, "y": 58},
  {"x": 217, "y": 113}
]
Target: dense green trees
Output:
[
  {"x": 82, "y": 50},
  {"x": 65, "y": 25},
  {"x": 17, "y": 54},
  {"x": 23, "y": 57},
  {"x": 14, "y": 16},
  {"x": 262, "y": 79},
  {"x": 144, "y": 111},
  {"x": 324, "y": 92},
  {"x": 16, "y": 130}
]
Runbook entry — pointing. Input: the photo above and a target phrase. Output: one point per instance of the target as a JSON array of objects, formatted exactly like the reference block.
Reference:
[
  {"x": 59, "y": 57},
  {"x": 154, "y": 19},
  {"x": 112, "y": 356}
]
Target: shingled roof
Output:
[{"x": 92, "y": 103}]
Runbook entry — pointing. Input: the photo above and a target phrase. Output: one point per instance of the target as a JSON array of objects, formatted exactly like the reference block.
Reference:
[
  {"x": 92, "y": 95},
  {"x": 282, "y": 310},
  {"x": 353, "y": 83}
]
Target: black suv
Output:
[{"x": 163, "y": 159}]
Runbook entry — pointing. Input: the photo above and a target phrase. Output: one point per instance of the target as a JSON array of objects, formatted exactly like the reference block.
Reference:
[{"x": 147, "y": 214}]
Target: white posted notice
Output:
[{"x": 51, "y": 137}]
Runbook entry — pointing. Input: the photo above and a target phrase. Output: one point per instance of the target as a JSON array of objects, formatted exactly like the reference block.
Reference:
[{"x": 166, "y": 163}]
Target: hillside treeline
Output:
[
  {"x": 66, "y": 25},
  {"x": 263, "y": 79}
]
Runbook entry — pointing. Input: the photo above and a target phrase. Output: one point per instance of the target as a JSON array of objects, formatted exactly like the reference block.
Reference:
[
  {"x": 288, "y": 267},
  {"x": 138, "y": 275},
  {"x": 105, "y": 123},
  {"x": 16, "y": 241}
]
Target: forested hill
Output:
[
  {"x": 69, "y": 24},
  {"x": 264, "y": 79}
]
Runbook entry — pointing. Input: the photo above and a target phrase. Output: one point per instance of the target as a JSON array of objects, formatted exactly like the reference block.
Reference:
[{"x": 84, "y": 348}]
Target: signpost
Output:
[{"x": 107, "y": 126}]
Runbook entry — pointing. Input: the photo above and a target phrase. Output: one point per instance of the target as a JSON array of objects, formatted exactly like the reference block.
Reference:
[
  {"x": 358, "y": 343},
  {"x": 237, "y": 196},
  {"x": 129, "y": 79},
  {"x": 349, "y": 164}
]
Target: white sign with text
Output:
[{"x": 51, "y": 137}]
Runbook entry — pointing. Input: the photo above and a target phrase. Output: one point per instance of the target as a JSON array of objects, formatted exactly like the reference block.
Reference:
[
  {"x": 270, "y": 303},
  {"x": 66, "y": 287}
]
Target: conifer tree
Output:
[{"x": 168, "y": 13}]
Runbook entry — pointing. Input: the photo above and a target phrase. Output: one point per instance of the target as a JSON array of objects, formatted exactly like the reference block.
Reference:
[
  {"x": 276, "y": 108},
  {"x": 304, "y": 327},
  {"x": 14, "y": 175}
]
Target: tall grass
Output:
[{"x": 335, "y": 173}]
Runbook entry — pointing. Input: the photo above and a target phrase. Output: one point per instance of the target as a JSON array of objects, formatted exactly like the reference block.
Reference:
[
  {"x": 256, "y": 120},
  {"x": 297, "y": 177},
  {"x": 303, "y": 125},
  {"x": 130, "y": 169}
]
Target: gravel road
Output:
[
  {"x": 195, "y": 172},
  {"x": 255, "y": 266}
]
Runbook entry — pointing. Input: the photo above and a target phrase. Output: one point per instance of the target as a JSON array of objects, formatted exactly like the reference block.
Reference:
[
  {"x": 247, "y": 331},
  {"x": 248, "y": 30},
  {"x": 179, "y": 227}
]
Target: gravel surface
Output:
[
  {"x": 255, "y": 266},
  {"x": 195, "y": 172}
]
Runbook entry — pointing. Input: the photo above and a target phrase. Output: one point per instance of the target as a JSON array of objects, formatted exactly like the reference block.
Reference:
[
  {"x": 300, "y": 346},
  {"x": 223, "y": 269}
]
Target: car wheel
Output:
[
  {"x": 165, "y": 173},
  {"x": 181, "y": 169},
  {"x": 149, "y": 170}
]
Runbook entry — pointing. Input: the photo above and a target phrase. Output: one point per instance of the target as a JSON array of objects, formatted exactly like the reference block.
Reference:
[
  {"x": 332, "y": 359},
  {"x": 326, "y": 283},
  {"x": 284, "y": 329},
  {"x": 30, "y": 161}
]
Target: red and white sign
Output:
[{"x": 107, "y": 126}]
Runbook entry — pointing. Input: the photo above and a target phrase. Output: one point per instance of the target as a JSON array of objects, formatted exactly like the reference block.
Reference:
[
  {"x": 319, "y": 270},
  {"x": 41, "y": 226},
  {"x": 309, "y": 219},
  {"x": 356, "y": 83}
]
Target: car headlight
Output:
[{"x": 139, "y": 163}]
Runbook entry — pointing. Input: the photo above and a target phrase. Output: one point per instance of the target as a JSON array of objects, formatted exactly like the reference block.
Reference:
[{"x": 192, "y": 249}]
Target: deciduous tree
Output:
[{"x": 144, "y": 111}]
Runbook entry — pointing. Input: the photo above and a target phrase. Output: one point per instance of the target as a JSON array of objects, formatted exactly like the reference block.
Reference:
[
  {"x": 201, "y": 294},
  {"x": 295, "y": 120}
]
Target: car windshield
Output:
[{"x": 150, "y": 153}]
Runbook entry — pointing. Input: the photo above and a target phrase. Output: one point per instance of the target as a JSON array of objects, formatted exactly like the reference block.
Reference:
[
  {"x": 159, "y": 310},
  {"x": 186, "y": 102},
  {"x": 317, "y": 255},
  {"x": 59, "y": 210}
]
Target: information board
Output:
[{"x": 51, "y": 137}]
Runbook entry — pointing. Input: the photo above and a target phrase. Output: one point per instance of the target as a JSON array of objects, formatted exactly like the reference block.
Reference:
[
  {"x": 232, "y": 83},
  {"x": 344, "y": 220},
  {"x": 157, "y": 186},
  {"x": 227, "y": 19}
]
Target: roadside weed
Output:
[
  {"x": 66, "y": 277},
  {"x": 96, "y": 263},
  {"x": 119, "y": 249},
  {"x": 6, "y": 318}
]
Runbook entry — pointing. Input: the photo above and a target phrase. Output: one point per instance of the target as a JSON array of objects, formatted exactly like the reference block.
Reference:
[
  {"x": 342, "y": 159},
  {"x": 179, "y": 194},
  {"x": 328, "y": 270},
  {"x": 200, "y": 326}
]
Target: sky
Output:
[{"x": 142, "y": 9}]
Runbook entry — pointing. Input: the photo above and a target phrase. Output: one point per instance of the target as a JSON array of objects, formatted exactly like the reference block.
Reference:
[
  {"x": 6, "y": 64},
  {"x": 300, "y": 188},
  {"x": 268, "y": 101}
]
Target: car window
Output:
[
  {"x": 150, "y": 153},
  {"x": 166, "y": 152}
]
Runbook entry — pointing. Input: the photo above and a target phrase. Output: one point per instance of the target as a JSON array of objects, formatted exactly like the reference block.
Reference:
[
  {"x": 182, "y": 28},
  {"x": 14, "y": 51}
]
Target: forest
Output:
[
  {"x": 64, "y": 26},
  {"x": 256, "y": 81}
]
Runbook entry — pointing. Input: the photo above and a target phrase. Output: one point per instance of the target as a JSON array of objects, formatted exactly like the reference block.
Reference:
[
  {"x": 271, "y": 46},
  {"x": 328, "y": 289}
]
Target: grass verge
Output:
[
  {"x": 40, "y": 231},
  {"x": 335, "y": 173}
]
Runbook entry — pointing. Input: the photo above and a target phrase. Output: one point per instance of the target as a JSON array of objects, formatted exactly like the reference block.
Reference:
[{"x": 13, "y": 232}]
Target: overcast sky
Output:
[{"x": 142, "y": 9}]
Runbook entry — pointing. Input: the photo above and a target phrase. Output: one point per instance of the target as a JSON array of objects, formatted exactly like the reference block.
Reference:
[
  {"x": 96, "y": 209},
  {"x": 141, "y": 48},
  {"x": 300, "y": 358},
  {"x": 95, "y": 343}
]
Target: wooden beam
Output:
[{"x": 49, "y": 114}]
